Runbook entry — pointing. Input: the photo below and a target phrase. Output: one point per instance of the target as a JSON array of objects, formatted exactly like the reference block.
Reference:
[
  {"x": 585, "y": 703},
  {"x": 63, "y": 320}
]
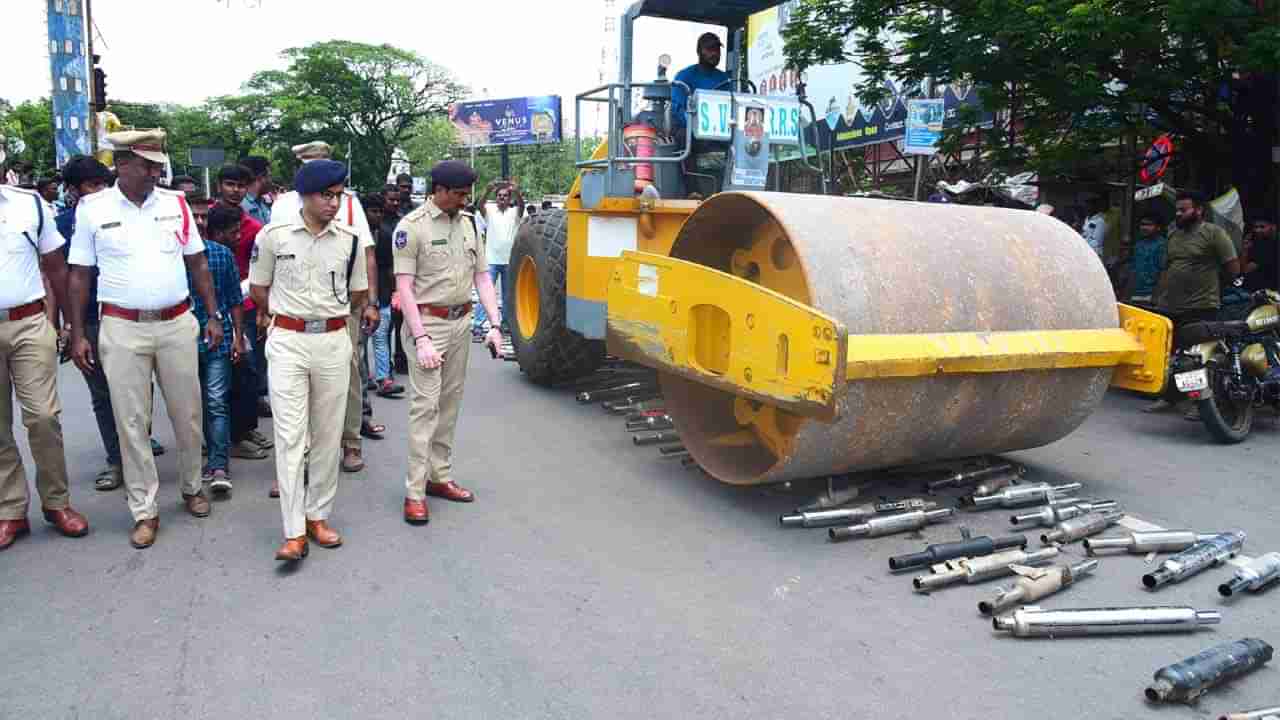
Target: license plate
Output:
[{"x": 1191, "y": 381}]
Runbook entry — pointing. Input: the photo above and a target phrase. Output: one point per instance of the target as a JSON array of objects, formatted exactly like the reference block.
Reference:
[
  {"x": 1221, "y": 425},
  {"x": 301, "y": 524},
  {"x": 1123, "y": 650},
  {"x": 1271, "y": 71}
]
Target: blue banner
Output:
[
  {"x": 514, "y": 121},
  {"x": 70, "y": 74}
]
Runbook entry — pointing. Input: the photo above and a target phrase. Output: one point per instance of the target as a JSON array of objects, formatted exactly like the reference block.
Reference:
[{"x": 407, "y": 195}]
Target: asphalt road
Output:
[{"x": 593, "y": 580}]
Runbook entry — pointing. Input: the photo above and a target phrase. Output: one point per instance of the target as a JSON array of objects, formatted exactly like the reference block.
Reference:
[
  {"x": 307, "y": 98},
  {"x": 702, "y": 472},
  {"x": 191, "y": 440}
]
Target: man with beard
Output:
[{"x": 1198, "y": 253}]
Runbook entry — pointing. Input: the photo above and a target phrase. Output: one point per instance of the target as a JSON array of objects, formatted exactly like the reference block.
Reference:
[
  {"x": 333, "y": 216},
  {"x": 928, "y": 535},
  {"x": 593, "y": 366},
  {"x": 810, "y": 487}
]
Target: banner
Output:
[
  {"x": 842, "y": 119},
  {"x": 70, "y": 75},
  {"x": 514, "y": 121},
  {"x": 924, "y": 126}
]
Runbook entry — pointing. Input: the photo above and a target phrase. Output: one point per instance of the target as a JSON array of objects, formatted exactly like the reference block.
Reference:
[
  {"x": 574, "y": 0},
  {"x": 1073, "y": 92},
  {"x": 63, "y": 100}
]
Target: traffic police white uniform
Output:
[
  {"x": 146, "y": 328},
  {"x": 305, "y": 277},
  {"x": 29, "y": 367},
  {"x": 351, "y": 215}
]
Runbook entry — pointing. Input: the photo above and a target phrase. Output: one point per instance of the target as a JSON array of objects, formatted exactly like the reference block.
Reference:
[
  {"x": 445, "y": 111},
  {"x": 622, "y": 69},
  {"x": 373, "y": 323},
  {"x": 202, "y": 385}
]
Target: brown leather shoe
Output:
[
  {"x": 325, "y": 536},
  {"x": 351, "y": 460},
  {"x": 197, "y": 505},
  {"x": 293, "y": 549},
  {"x": 144, "y": 533},
  {"x": 68, "y": 521},
  {"x": 450, "y": 491},
  {"x": 415, "y": 512},
  {"x": 11, "y": 530}
]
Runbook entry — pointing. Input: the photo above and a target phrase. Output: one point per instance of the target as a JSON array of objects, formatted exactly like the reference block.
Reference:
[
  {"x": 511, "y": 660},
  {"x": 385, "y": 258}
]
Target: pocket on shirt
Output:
[{"x": 436, "y": 261}]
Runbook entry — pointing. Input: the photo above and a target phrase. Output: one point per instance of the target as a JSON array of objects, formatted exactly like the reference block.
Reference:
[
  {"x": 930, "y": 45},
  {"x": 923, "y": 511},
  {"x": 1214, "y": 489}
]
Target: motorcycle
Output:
[{"x": 1231, "y": 368}]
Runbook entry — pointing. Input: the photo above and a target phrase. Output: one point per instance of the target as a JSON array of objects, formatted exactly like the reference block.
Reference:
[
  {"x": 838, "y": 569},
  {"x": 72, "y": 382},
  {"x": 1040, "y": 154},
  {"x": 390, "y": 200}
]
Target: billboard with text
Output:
[{"x": 514, "y": 121}]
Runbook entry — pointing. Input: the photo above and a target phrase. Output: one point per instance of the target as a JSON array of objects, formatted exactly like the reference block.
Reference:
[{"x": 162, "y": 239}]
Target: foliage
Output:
[
  {"x": 366, "y": 97},
  {"x": 1073, "y": 75},
  {"x": 32, "y": 123}
]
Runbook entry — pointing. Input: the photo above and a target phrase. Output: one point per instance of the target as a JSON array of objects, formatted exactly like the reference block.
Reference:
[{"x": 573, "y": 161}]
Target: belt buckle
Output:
[
  {"x": 456, "y": 312},
  {"x": 148, "y": 316},
  {"x": 4, "y": 316},
  {"x": 313, "y": 327}
]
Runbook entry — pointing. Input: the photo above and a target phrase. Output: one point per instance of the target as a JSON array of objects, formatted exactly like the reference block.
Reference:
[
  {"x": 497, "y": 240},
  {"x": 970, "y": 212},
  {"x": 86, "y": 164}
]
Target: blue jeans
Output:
[
  {"x": 101, "y": 400},
  {"x": 215, "y": 387},
  {"x": 499, "y": 275},
  {"x": 382, "y": 346}
]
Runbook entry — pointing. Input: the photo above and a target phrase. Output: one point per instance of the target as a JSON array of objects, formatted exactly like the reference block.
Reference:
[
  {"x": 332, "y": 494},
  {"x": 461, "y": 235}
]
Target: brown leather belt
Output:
[
  {"x": 22, "y": 312},
  {"x": 446, "y": 312},
  {"x": 311, "y": 327},
  {"x": 161, "y": 315}
]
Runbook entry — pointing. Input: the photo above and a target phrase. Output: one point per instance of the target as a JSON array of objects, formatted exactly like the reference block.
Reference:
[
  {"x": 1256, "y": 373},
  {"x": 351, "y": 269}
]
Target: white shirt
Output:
[
  {"x": 288, "y": 208},
  {"x": 139, "y": 251},
  {"x": 500, "y": 233},
  {"x": 1095, "y": 232},
  {"x": 19, "y": 261}
]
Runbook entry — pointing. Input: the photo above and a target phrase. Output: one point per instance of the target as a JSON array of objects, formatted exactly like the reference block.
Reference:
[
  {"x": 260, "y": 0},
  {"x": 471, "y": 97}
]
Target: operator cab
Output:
[{"x": 726, "y": 137}]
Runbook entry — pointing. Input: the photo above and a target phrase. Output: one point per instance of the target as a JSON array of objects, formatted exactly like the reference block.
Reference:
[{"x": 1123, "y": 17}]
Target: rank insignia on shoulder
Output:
[
  {"x": 401, "y": 239},
  {"x": 253, "y": 256}
]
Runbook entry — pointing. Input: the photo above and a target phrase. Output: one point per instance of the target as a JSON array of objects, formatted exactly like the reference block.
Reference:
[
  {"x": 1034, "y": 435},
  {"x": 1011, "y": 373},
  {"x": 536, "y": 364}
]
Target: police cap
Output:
[
  {"x": 453, "y": 174},
  {"x": 318, "y": 175}
]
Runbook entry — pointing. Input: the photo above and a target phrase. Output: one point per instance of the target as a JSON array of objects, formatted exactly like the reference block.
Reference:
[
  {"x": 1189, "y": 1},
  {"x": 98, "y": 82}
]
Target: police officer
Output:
[
  {"x": 29, "y": 243},
  {"x": 306, "y": 273},
  {"x": 438, "y": 258},
  {"x": 351, "y": 214},
  {"x": 144, "y": 242}
]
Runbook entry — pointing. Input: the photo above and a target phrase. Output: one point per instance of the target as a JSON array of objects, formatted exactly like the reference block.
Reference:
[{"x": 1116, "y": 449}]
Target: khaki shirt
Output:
[
  {"x": 442, "y": 254},
  {"x": 307, "y": 273},
  {"x": 1195, "y": 259}
]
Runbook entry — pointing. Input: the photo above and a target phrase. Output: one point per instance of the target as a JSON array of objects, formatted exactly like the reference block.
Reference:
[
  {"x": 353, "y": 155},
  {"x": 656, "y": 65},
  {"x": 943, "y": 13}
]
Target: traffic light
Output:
[{"x": 99, "y": 86}]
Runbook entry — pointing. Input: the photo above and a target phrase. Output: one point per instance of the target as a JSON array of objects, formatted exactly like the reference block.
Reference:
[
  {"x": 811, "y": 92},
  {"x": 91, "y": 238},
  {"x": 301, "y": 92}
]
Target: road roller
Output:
[{"x": 804, "y": 335}]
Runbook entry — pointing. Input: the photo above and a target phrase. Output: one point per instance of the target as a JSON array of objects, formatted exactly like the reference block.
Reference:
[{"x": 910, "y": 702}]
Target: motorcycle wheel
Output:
[{"x": 1228, "y": 421}]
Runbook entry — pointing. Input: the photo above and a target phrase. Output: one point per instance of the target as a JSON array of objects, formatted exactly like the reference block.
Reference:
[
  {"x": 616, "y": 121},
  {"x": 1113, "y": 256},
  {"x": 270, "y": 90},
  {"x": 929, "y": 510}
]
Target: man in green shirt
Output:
[
  {"x": 1199, "y": 251},
  {"x": 1198, "y": 254}
]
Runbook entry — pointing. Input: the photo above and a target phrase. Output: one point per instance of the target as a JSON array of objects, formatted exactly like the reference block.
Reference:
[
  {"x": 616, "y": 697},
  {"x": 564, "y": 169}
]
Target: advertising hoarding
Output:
[
  {"x": 513, "y": 121},
  {"x": 842, "y": 118},
  {"x": 924, "y": 126}
]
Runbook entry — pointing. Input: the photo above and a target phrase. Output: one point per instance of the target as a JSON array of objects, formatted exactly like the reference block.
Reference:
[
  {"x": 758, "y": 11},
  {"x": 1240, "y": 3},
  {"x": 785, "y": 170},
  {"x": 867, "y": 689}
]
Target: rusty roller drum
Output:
[{"x": 885, "y": 267}]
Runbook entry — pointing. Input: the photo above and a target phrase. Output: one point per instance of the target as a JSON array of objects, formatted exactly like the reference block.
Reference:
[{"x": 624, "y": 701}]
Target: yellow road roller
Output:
[{"x": 802, "y": 335}]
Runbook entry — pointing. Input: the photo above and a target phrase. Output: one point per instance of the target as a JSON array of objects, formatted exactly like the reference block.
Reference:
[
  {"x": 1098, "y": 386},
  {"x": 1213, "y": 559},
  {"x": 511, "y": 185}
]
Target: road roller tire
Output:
[{"x": 545, "y": 348}]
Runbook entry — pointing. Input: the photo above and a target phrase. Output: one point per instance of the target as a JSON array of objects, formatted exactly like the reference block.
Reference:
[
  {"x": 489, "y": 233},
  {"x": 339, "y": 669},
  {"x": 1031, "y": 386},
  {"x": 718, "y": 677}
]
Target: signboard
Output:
[
  {"x": 70, "y": 75},
  {"x": 208, "y": 157},
  {"x": 778, "y": 118},
  {"x": 843, "y": 120},
  {"x": 924, "y": 126},
  {"x": 514, "y": 121},
  {"x": 1156, "y": 161}
]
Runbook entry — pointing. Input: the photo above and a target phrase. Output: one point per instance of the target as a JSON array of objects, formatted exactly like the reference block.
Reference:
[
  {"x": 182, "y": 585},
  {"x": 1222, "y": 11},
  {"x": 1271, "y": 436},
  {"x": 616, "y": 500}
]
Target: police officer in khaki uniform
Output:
[
  {"x": 29, "y": 242},
  {"x": 306, "y": 274},
  {"x": 366, "y": 319},
  {"x": 438, "y": 258},
  {"x": 144, "y": 242}
]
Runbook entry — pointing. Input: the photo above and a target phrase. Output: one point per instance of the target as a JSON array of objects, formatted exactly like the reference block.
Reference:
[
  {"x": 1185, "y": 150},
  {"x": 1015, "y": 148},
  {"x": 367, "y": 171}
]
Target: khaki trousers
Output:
[
  {"x": 308, "y": 381},
  {"x": 355, "y": 389},
  {"x": 29, "y": 367},
  {"x": 133, "y": 352},
  {"x": 435, "y": 401}
]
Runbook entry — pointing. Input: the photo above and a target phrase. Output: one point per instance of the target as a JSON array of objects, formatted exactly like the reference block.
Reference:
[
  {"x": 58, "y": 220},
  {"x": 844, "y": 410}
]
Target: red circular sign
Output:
[{"x": 1156, "y": 161}]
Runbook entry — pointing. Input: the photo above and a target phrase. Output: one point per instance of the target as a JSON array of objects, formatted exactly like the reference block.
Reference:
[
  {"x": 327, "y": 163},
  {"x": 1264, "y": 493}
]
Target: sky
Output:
[{"x": 184, "y": 51}]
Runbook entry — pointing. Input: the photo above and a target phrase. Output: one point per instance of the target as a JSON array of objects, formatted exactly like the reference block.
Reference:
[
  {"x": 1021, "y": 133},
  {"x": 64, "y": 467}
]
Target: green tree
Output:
[
  {"x": 366, "y": 97},
  {"x": 1068, "y": 76},
  {"x": 32, "y": 123}
]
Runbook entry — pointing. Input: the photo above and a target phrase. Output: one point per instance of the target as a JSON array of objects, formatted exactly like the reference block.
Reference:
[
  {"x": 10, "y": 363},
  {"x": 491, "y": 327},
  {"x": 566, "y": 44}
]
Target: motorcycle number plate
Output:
[{"x": 1191, "y": 381}]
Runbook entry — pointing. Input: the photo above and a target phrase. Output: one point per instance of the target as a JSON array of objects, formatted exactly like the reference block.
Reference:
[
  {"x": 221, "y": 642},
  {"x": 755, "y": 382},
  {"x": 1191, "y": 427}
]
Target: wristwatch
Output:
[{"x": 220, "y": 317}]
